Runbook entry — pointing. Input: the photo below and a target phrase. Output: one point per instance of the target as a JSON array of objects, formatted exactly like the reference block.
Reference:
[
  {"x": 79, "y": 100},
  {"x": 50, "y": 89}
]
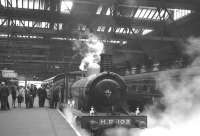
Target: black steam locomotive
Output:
[{"x": 99, "y": 102}]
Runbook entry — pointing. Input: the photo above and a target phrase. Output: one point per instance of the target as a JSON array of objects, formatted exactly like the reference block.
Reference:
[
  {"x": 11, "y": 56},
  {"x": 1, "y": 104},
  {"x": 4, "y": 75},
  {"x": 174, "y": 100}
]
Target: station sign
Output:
[{"x": 9, "y": 74}]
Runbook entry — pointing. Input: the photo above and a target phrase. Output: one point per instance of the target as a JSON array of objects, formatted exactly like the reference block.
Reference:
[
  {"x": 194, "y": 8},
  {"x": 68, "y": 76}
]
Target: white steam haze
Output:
[
  {"x": 181, "y": 116},
  {"x": 71, "y": 120},
  {"x": 90, "y": 50},
  {"x": 70, "y": 117},
  {"x": 193, "y": 50},
  {"x": 181, "y": 96}
]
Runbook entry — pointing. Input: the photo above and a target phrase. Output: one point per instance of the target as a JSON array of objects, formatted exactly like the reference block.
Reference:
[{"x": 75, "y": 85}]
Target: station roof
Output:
[{"x": 38, "y": 35}]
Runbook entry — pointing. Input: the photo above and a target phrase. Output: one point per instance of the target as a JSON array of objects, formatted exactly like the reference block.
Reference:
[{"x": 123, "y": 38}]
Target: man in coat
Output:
[
  {"x": 0, "y": 96},
  {"x": 14, "y": 95},
  {"x": 56, "y": 97},
  {"x": 4, "y": 96},
  {"x": 42, "y": 96},
  {"x": 28, "y": 98},
  {"x": 33, "y": 91}
]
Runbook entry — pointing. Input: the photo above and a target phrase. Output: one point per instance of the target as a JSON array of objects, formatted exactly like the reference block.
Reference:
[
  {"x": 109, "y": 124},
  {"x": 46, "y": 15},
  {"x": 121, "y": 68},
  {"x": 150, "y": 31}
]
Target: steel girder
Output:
[
  {"x": 48, "y": 16},
  {"x": 179, "y": 4},
  {"x": 17, "y": 30}
]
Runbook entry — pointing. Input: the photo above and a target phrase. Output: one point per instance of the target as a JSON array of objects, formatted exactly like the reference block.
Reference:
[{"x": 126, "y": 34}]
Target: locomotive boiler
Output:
[
  {"x": 99, "y": 101},
  {"x": 105, "y": 92}
]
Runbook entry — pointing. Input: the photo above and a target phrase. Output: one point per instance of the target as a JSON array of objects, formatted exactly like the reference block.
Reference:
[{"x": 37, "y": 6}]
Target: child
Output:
[{"x": 20, "y": 97}]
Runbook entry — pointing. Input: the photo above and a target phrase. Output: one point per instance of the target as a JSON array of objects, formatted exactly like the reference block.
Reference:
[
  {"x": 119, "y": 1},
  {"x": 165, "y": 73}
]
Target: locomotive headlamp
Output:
[
  {"x": 137, "y": 112},
  {"x": 92, "y": 111},
  {"x": 107, "y": 93}
]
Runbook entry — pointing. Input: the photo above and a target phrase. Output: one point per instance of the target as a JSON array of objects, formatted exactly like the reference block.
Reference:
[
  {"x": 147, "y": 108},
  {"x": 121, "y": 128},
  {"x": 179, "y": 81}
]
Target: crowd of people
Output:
[{"x": 27, "y": 95}]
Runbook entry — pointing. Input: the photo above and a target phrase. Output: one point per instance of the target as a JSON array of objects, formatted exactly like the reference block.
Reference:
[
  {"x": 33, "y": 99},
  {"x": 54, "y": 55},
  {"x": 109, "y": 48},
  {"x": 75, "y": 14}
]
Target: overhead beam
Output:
[
  {"x": 29, "y": 56},
  {"x": 31, "y": 43},
  {"x": 183, "y": 27},
  {"x": 180, "y": 4},
  {"x": 82, "y": 18},
  {"x": 23, "y": 55},
  {"x": 102, "y": 35},
  {"x": 130, "y": 51},
  {"x": 27, "y": 31},
  {"x": 6, "y": 63},
  {"x": 25, "y": 46},
  {"x": 41, "y": 61},
  {"x": 137, "y": 37}
]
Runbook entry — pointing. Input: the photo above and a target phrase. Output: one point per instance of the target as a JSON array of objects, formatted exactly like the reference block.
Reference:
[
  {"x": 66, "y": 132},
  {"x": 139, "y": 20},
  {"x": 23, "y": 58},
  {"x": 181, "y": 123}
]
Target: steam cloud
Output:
[
  {"x": 193, "y": 50},
  {"x": 181, "y": 96},
  {"x": 181, "y": 116},
  {"x": 71, "y": 119},
  {"x": 90, "y": 50}
]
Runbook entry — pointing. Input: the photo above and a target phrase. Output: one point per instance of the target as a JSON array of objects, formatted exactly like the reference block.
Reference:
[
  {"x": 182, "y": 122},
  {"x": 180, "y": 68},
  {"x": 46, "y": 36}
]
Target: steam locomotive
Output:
[
  {"x": 99, "y": 101},
  {"x": 103, "y": 100}
]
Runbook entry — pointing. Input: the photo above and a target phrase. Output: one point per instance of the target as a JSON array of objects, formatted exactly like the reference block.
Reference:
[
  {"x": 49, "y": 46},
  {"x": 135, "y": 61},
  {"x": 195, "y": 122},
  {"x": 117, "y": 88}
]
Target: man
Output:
[
  {"x": 4, "y": 96},
  {"x": 56, "y": 98},
  {"x": 49, "y": 91},
  {"x": 33, "y": 91},
  {"x": 27, "y": 97},
  {"x": 14, "y": 95},
  {"x": 42, "y": 95},
  {"x": 0, "y": 95}
]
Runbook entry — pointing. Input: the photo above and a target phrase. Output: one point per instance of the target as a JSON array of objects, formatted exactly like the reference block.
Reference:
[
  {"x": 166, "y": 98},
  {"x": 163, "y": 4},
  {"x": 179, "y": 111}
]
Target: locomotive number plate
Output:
[
  {"x": 107, "y": 121},
  {"x": 120, "y": 122}
]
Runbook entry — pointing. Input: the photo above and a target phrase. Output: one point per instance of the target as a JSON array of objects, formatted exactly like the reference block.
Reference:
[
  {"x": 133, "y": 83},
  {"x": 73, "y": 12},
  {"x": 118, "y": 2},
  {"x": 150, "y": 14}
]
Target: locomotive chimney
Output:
[{"x": 106, "y": 63}]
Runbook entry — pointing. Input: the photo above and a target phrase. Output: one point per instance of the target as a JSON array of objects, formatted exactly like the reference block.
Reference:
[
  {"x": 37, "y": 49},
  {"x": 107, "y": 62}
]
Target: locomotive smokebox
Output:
[
  {"x": 105, "y": 91},
  {"x": 106, "y": 63}
]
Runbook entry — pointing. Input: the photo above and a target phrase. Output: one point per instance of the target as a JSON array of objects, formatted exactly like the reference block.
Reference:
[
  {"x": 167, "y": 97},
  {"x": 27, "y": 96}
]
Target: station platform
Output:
[{"x": 33, "y": 122}]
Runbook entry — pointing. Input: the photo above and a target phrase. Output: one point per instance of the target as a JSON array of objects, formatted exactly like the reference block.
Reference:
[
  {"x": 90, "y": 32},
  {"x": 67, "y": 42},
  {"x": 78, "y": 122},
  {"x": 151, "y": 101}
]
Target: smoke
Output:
[
  {"x": 193, "y": 50},
  {"x": 90, "y": 49},
  {"x": 181, "y": 97},
  {"x": 192, "y": 46},
  {"x": 72, "y": 121}
]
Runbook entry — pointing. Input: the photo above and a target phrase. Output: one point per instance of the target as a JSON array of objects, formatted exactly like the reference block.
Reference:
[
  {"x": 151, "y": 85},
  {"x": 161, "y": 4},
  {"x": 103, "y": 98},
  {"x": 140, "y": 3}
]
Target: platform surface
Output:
[{"x": 33, "y": 122}]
